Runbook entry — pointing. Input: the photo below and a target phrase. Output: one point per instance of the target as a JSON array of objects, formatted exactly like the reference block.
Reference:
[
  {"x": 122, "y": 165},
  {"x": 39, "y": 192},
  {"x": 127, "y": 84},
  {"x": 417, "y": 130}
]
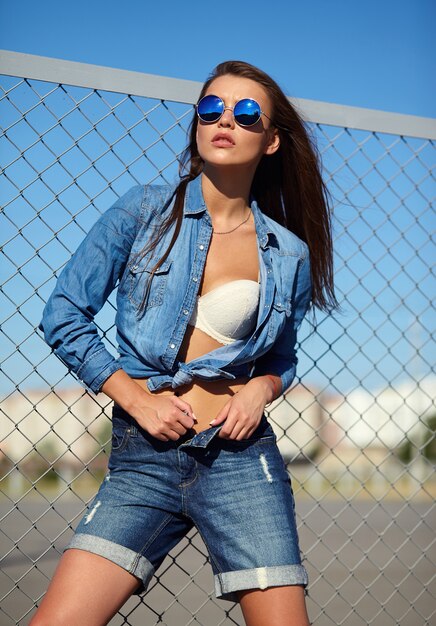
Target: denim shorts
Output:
[{"x": 237, "y": 493}]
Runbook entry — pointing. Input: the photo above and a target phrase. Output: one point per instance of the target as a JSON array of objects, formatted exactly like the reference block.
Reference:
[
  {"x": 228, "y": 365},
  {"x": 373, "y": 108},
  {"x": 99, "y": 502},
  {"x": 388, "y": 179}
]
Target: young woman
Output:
[{"x": 215, "y": 275}]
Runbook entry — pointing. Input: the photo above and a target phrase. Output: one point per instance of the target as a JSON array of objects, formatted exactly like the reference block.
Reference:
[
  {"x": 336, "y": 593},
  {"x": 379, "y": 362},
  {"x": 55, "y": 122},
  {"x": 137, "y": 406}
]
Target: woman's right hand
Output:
[{"x": 165, "y": 417}]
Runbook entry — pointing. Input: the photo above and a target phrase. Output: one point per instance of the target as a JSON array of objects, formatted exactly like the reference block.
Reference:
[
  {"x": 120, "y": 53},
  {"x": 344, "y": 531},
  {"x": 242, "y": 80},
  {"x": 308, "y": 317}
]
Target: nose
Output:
[{"x": 227, "y": 120}]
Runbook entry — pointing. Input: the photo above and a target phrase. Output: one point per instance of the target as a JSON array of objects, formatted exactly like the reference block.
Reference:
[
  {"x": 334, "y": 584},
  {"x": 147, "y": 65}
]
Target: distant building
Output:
[
  {"x": 67, "y": 422},
  {"x": 382, "y": 418},
  {"x": 297, "y": 419}
]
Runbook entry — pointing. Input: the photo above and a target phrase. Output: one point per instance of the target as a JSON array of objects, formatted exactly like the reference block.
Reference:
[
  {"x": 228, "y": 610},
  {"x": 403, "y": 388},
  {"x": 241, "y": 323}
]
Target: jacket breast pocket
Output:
[
  {"x": 280, "y": 311},
  {"x": 141, "y": 279}
]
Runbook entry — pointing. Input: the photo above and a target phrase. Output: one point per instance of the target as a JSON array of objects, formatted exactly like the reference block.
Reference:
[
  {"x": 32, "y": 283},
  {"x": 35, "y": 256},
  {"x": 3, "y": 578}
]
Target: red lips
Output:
[{"x": 223, "y": 139}]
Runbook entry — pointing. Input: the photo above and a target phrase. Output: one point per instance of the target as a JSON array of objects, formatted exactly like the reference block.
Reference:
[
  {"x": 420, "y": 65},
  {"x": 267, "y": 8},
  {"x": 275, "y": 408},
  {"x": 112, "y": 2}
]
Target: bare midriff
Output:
[{"x": 206, "y": 398}]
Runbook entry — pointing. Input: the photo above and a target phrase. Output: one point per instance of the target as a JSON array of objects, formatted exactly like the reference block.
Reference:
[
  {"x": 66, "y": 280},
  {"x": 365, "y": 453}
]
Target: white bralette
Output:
[{"x": 228, "y": 312}]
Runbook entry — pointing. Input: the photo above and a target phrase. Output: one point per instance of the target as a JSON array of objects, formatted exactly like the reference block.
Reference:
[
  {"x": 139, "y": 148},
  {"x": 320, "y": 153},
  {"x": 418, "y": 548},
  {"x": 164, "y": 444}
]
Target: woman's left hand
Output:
[{"x": 243, "y": 412}]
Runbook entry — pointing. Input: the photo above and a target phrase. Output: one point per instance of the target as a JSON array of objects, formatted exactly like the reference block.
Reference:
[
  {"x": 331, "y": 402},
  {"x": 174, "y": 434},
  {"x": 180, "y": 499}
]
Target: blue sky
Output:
[{"x": 378, "y": 53}]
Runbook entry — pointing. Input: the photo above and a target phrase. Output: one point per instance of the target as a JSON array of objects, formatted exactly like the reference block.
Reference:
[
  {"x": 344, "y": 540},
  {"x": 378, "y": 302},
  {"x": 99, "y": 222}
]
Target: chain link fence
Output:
[{"x": 357, "y": 428}]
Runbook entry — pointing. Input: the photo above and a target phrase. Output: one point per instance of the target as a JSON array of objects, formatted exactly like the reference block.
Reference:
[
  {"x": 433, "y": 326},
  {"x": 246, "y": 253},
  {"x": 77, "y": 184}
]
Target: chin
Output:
[{"x": 228, "y": 160}]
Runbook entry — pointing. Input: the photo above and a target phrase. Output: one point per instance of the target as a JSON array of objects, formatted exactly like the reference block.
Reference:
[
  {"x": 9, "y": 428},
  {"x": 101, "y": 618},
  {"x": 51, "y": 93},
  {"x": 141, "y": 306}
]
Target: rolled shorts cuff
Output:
[
  {"x": 227, "y": 583},
  {"x": 129, "y": 560}
]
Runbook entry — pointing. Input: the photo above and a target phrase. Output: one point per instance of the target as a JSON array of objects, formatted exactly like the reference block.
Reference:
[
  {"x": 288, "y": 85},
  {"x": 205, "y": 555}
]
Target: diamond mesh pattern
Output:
[{"x": 357, "y": 428}]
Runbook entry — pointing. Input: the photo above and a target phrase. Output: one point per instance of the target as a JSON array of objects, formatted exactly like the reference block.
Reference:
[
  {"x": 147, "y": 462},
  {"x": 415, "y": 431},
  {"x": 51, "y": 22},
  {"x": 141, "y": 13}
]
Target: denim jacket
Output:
[{"x": 149, "y": 338}]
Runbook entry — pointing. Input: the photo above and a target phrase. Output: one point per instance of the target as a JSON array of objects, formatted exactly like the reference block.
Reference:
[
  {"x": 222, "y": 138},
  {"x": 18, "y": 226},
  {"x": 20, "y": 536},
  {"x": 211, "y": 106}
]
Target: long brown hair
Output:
[{"x": 287, "y": 185}]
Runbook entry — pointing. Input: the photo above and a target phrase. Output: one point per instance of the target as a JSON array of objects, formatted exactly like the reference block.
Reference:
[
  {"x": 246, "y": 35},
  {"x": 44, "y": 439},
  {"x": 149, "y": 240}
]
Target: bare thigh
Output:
[
  {"x": 275, "y": 606},
  {"x": 85, "y": 589}
]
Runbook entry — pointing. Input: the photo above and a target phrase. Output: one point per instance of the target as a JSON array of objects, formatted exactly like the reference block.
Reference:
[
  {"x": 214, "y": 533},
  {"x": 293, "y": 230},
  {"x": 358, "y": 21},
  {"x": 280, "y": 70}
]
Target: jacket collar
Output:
[
  {"x": 194, "y": 201},
  {"x": 195, "y": 204}
]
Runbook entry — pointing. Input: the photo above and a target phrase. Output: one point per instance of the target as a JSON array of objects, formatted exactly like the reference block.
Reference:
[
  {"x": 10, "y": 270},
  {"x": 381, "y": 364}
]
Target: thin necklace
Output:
[{"x": 226, "y": 232}]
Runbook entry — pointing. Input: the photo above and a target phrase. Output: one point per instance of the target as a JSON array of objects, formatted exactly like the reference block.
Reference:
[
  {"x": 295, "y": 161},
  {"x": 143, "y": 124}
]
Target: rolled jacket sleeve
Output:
[
  {"x": 84, "y": 286},
  {"x": 281, "y": 359}
]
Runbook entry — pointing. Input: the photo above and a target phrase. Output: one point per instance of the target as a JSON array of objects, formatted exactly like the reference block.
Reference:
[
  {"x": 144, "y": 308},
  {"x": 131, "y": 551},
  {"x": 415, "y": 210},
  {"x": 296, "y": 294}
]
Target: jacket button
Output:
[
  {"x": 201, "y": 247},
  {"x": 195, "y": 279},
  {"x": 172, "y": 346},
  {"x": 185, "y": 312}
]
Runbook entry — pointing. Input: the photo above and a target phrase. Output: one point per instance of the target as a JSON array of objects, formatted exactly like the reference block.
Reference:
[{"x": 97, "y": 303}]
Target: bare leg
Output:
[
  {"x": 86, "y": 589},
  {"x": 275, "y": 606}
]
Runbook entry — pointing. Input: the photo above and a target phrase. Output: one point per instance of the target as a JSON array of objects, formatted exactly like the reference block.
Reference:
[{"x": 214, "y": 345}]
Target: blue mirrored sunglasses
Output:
[{"x": 246, "y": 112}]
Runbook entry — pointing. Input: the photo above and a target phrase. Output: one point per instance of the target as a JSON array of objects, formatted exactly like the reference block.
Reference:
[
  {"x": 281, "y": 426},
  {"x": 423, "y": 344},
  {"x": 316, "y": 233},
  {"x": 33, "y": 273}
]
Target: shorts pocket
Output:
[{"x": 120, "y": 435}]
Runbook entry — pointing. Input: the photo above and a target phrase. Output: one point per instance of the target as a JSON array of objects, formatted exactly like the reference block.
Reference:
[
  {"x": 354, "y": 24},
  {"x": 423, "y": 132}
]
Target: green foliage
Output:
[
  {"x": 423, "y": 443},
  {"x": 429, "y": 450}
]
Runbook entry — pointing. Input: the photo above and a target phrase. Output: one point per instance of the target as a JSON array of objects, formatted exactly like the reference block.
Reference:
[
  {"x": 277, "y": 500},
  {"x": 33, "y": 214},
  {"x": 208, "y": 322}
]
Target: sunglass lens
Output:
[
  {"x": 247, "y": 112},
  {"x": 210, "y": 108}
]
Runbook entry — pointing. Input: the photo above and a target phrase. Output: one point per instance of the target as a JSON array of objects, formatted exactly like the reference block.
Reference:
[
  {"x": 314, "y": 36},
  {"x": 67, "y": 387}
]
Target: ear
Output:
[{"x": 273, "y": 142}]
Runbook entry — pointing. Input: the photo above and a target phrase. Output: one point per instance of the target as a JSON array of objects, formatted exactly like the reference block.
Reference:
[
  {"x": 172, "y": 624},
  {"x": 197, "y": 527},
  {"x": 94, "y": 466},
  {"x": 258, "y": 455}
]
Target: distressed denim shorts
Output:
[{"x": 237, "y": 493}]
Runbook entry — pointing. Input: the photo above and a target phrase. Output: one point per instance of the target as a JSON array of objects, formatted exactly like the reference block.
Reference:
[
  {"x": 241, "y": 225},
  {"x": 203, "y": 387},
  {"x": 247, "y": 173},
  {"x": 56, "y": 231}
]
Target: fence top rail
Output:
[{"x": 105, "y": 78}]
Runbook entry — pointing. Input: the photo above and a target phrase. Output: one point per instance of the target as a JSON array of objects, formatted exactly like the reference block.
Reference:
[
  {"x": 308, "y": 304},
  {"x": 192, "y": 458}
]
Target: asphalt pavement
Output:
[{"x": 368, "y": 562}]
